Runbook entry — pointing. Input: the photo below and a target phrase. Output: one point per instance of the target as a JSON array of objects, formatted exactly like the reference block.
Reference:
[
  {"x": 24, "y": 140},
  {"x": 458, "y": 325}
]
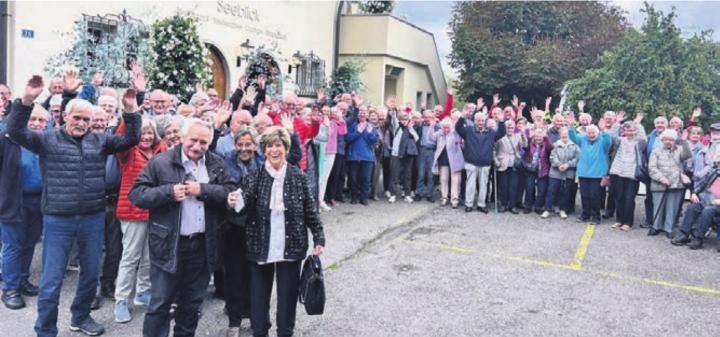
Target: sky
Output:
[{"x": 434, "y": 16}]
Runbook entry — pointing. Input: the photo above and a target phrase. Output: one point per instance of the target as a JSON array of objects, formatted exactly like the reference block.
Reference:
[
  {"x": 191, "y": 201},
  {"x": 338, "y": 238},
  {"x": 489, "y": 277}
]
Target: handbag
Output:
[
  {"x": 312, "y": 286},
  {"x": 641, "y": 169}
]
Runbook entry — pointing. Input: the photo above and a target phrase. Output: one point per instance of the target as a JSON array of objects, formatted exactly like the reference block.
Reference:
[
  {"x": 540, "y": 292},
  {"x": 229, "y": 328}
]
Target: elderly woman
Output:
[
  {"x": 536, "y": 160},
  {"x": 591, "y": 168},
  {"x": 361, "y": 139},
  {"x": 627, "y": 157},
  {"x": 563, "y": 160},
  {"x": 508, "y": 166},
  {"x": 134, "y": 268},
  {"x": 449, "y": 161},
  {"x": 169, "y": 129},
  {"x": 668, "y": 181},
  {"x": 280, "y": 208}
]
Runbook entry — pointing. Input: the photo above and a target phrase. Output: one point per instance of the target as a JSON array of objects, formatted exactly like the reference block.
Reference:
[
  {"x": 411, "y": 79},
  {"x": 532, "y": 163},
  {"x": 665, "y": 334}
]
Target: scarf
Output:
[
  {"x": 276, "y": 195},
  {"x": 249, "y": 168}
]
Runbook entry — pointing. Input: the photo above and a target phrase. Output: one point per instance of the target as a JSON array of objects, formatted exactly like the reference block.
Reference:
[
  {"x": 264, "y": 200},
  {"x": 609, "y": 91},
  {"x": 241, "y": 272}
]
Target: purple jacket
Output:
[
  {"x": 545, "y": 148},
  {"x": 452, "y": 142}
]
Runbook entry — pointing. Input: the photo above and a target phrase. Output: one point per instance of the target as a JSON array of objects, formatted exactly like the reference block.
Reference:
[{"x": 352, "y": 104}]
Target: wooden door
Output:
[{"x": 217, "y": 66}]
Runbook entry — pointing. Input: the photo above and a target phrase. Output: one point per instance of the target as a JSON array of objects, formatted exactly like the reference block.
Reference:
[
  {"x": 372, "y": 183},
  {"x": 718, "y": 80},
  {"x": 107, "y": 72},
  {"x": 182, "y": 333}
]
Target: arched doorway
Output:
[{"x": 219, "y": 71}]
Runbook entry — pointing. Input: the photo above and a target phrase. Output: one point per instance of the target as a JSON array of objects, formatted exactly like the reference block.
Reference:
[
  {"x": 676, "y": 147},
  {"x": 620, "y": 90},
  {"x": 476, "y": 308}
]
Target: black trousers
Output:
[
  {"x": 261, "y": 283},
  {"x": 611, "y": 200},
  {"x": 237, "y": 276},
  {"x": 649, "y": 208},
  {"x": 387, "y": 176},
  {"x": 190, "y": 282},
  {"x": 590, "y": 192},
  {"x": 401, "y": 172},
  {"x": 113, "y": 248},
  {"x": 508, "y": 187},
  {"x": 336, "y": 180},
  {"x": 625, "y": 192}
]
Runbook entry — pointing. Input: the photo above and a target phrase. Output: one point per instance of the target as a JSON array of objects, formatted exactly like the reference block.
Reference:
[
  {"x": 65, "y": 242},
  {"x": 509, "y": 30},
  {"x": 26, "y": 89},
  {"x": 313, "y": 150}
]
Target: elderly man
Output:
[
  {"x": 478, "y": 153},
  {"x": 109, "y": 104},
  {"x": 73, "y": 201},
  {"x": 226, "y": 143},
  {"x": 158, "y": 102},
  {"x": 20, "y": 214},
  {"x": 185, "y": 191}
]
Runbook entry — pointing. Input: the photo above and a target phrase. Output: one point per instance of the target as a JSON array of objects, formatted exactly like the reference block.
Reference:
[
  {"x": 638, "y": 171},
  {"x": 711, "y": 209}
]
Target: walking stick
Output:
[
  {"x": 662, "y": 203},
  {"x": 495, "y": 172}
]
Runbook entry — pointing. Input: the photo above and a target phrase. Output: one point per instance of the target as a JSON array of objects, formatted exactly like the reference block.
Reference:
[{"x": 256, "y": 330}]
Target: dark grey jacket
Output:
[
  {"x": 153, "y": 190},
  {"x": 73, "y": 168},
  {"x": 300, "y": 214}
]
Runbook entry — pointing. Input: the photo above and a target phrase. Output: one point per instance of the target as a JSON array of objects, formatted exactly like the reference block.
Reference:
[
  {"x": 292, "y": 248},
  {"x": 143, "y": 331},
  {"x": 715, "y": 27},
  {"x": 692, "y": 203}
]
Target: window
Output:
[{"x": 310, "y": 74}]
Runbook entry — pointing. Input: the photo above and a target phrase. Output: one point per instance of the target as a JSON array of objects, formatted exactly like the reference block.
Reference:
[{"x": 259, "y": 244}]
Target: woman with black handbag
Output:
[{"x": 280, "y": 210}]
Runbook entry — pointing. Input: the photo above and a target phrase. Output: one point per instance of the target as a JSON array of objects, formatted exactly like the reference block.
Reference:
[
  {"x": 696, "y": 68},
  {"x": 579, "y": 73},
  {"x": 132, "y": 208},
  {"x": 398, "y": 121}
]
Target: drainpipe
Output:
[
  {"x": 3, "y": 40},
  {"x": 336, "y": 52}
]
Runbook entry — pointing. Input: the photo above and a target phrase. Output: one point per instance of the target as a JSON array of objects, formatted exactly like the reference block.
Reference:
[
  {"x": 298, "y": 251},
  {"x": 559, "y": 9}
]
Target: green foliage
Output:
[
  {"x": 377, "y": 7},
  {"x": 655, "y": 71},
  {"x": 528, "y": 48},
  {"x": 182, "y": 59},
  {"x": 345, "y": 79},
  {"x": 111, "y": 53}
]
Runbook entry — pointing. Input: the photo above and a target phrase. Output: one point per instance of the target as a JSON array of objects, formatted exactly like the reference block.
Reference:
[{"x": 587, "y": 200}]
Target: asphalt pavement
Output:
[{"x": 426, "y": 270}]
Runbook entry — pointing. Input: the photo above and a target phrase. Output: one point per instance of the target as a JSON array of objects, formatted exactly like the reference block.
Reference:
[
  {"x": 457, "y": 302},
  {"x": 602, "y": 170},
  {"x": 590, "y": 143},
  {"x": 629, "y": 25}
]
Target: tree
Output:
[
  {"x": 182, "y": 59},
  {"x": 656, "y": 71},
  {"x": 377, "y": 7},
  {"x": 112, "y": 53},
  {"x": 345, "y": 79},
  {"x": 528, "y": 48}
]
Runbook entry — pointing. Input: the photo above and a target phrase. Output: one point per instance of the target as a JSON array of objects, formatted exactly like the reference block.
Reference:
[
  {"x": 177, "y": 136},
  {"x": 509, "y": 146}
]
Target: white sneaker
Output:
[
  {"x": 324, "y": 207},
  {"x": 391, "y": 199},
  {"x": 563, "y": 215},
  {"x": 545, "y": 215},
  {"x": 409, "y": 199},
  {"x": 387, "y": 194}
]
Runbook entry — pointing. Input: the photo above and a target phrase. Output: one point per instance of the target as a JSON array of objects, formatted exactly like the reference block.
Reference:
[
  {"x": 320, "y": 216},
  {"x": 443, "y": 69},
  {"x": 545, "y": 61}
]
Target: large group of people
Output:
[{"x": 156, "y": 201}]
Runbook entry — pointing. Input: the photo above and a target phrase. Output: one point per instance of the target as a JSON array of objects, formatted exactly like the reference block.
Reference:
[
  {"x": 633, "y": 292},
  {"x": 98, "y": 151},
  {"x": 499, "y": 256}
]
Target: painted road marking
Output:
[{"x": 575, "y": 265}]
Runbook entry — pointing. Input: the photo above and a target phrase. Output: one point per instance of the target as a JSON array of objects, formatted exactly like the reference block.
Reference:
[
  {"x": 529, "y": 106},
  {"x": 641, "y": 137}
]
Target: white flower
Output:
[
  {"x": 171, "y": 84},
  {"x": 175, "y": 72},
  {"x": 160, "y": 75}
]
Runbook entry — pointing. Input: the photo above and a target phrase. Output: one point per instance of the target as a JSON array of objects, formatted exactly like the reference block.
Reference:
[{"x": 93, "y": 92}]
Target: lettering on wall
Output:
[{"x": 238, "y": 10}]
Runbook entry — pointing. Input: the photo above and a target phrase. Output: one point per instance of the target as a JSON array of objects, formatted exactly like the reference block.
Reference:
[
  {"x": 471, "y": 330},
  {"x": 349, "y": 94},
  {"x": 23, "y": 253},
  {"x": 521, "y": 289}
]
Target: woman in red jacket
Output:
[{"x": 135, "y": 261}]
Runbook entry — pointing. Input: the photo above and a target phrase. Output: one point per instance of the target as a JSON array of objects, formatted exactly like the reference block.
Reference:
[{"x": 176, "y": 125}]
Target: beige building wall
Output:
[
  {"x": 286, "y": 26},
  {"x": 383, "y": 43}
]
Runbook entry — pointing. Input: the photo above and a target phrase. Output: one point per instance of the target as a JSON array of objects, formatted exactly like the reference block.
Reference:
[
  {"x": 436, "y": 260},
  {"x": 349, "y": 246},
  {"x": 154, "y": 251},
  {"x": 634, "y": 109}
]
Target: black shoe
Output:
[
  {"x": 13, "y": 299},
  {"x": 28, "y": 289},
  {"x": 595, "y": 221},
  {"x": 668, "y": 235},
  {"x": 607, "y": 216},
  {"x": 695, "y": 243},
  {"x": 680, "y": 239},
  {"x": 364, "y": 202},
  {"x": 431, "y": 200},
  {"x": 88, "y": 327},
  {"x": 96, "y": 303},
  {"x": 468, "y": 209},
  {"x": 526, "y": 210},
  {"x": 353, "y": 202},
  {"x": 514, "y": 211},
  {"x": 107, "y": 292},
  {"x": 644, "y": 225},
  {"x": 653, "y": 232},
  {"x": 538, "y": 211},
  {"x": 583, "y": 219},
  {"x": 502, "y": 209},
  {"x": 482, "y": 209}
]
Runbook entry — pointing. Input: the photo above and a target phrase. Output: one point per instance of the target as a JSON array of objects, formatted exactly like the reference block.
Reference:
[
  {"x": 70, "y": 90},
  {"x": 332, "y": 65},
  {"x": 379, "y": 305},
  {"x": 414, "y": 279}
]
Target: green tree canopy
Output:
[
  {"x": 528, "y": 48},
  {"x": 656, "y": 71}
]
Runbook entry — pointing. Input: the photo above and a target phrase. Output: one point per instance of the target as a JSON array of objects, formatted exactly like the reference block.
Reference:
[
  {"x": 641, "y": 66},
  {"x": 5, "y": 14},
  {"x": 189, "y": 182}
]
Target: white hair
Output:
[
  {"x": 109, "y": 99},
  {"x": 78, "y": 103},
  {"x": 190, "y": 122},
  {"x": 669, "y": 133},
  {"x": 593, "y": 127},
  {"x": 196, "y": 97},
  {"x": 56, "y": 100}
]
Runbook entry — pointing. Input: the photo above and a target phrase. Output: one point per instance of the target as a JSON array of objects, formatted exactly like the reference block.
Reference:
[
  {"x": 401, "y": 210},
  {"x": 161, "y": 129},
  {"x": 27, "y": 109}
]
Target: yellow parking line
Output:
[
  {"x": 582, "y": 247},
  {"x": 575, "y": 266}
]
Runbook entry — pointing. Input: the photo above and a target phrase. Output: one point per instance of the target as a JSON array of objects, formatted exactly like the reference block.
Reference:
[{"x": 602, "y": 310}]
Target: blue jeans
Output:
[
  {"x": 360, "y": 179},
  {"x": 531, "y": 183},
  {"x": 559, "y": 193},
  {"x": 19, "y": 241},
  {"x": 425, "y": 182},
  {"x": 59, "y": 234}
]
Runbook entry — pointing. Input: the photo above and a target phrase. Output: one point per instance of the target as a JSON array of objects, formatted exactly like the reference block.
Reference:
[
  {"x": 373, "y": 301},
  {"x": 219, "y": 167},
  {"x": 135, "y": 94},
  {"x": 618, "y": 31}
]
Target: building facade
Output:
[{"x": 304, "y": 40}]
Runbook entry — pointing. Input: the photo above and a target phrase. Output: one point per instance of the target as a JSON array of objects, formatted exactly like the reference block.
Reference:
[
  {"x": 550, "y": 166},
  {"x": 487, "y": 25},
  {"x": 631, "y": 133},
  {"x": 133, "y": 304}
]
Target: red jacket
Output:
[
  {"x": 303, "y": 130},
  {"x": 132, "y": 162}
]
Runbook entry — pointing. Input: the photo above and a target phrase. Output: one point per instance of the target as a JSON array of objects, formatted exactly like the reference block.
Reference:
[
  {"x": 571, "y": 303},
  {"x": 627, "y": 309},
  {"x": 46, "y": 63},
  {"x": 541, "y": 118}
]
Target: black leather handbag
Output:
[{"x": 312, "y": 286}]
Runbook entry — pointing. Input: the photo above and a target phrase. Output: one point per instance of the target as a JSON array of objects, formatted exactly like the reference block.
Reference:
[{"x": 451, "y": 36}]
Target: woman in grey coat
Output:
[
  {"x": 668, "y": 181},
  {"x": 563, "y": 160}
]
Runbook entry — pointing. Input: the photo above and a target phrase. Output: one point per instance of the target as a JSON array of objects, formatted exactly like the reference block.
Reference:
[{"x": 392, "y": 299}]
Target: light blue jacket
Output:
[{"x": 594, "y": 156}]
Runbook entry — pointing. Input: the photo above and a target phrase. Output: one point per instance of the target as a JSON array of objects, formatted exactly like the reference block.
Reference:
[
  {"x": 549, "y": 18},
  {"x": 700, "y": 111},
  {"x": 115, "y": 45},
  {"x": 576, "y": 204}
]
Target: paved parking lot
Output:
[{"x": 423, "y": 270}]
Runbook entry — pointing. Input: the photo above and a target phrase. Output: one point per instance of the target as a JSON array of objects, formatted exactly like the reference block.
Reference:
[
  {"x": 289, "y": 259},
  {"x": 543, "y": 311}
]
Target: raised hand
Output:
[
  {"x": 72, "y": 82},
  {"x": 33, "y": 89},
  {"x": 321, "y": 94},
  {"x": 548, "y": 101},
  {"x": 129, "y": 102},
  {"x": 581, "y": 105},
  {"x": 621, "y": 116},
  {"x": 287, "y": 122},
  {"x": 242, "y": 82},
  {"x": 696, "y": 113},
  {"x": 250, "y": 94},
  {"x": 639, "y": 117},
  {"x": 223, "y": 114},
  {"x": 261, "y": 81},
  {"x": 480, "y": 103},
  {"x": 97, "y": 78},
  {"x": 515, "y": 101},
  {"x": 496, "y": 99},
  {"x": 138, "y": 77}
]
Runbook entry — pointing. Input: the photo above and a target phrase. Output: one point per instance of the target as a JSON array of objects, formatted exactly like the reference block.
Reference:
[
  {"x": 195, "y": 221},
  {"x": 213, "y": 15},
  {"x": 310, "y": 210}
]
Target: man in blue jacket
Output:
[
  {"x": 73, "y": 200},
  {"x": 20, "y": 215},
  {"x": 478, "y": 152}
]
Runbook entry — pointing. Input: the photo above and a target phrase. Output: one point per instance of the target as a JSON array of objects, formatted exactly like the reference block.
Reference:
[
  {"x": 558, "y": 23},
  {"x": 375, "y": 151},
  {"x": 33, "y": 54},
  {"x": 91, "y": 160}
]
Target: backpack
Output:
[{"x": 312, "y": 286}]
